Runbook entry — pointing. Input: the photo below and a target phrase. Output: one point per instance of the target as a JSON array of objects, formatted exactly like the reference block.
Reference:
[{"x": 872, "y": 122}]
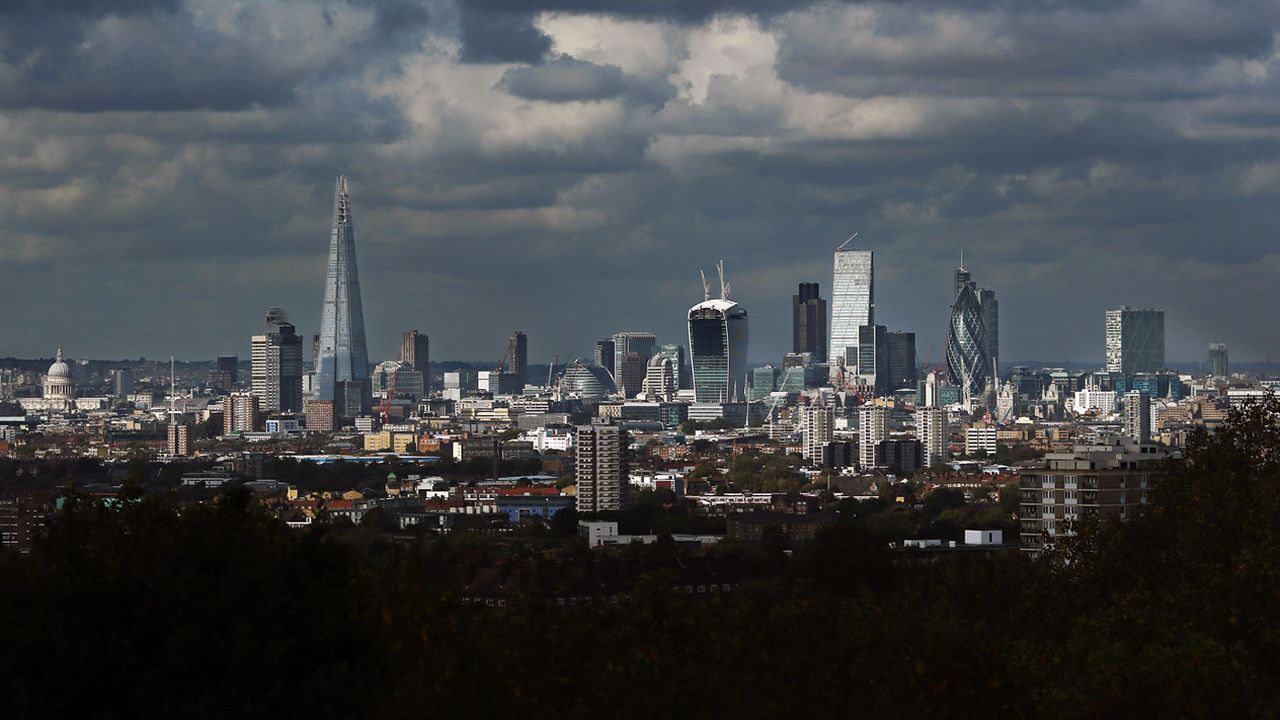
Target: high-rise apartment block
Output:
[
  {"x": 1135, "y": 340},
  {"x": 342, "y": 366},
  {"x": 602, "y": 478},
  {"x": 931, "y": 431},
  {"x": 276, "y": 360},
  {"x": 809, "y": 322},
  {"x": 816, "y": 426},
  {"x": 1137, "y": 415},
  {"x": 852, "y": 303},
  {"x": 239, "y": 413},
  {"x": 873, "y": 426},
  {"x": 179, "y": 440},
  {"x": 121, "y": 383}
]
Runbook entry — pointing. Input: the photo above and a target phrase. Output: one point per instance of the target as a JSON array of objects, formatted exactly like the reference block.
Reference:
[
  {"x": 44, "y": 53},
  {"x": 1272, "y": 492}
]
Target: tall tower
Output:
[
  {"x": 968, "y": 365},
  {"x": 718, "y": 348},
  {"x": 415, "y": 349},
  {"x": 276, "y": 365},
  {"x": 342, "y": 375},
  {"x": 853, "y": 303},
  {"x": 1135, "y": 340},
  {"x": 518, "y": 356},
  {"x": 1218, "y": 366},
  {"x": 809, "y": 322}
]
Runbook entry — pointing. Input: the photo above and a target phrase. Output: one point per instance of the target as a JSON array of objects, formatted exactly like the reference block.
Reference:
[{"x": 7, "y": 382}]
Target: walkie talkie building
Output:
[{"x": 342, "y": 366}]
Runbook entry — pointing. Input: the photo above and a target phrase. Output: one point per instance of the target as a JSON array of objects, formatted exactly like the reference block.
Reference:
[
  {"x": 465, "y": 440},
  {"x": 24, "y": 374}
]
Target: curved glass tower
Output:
[
  {"x": 968, "y": 365},
  {"x": 718, "y": 346},
  {"x": 342, "y": 365}
]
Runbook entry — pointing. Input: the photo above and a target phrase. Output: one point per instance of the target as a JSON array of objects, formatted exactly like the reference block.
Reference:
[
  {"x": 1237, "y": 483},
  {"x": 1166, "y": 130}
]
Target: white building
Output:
[
  {"x": 852, "y": 303},
  {"x": 980, "y": 438},
  {"x": 873, "y": 426},
  {"x": 816, "y": 427},
  {"x": 931, "y": 431},
  {"x": 1102, "y": 401}
]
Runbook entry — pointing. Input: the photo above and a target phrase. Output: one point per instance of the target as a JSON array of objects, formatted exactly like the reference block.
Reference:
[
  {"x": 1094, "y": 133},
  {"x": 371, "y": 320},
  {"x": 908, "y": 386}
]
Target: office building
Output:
[
  {"x": 902, "y": 360},
  {"x": 873, "y": 426},
  {"x": 276, "y": 365},
  {"x": 586, "y": 381},
  {"x": 1106, "y": 480},
  {"x": 229, "y": 364},
  {"x": 602, "y": 477},
  {"x": 718, "y": 345},
  {"x": 632, "y": 368},
  {"x": 631, "y": 342},
  {"x": 1136, "y": 417},
  {"x": 1099, "y": 402},
  {"x": 872, "y": 370},
  {"x": 397, "y": 376},
  {"x": 497, "y": 382},
  {"x": 968, "y": 366},
  {"x": 816, "y": 427},
  {"x": 342, "y": 366},
  {"x": 518, "y": 357},
  {"x": 764, "y": 380},
  {"x": 415, "y": 349},
  {"x": 1134, "y": 340},
  {"x": 991, "y": 328},
  {"x": 680, "y": 361},
  {"x": 660, "y": 379},
  {"x": 178, "y": 442},
  {"x": 605, "y": 355},
  {"x": 809, "y": 322},
  {"x": 239, "y": 413},
  {"x": 852, "y": 304},
  {"x": 931, "y": 431},
  {"x": 1218, "y": 366}
]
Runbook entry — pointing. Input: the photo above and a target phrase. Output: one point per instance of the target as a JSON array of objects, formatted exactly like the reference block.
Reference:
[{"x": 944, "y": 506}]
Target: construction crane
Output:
[{"x": 551, "y": 369}]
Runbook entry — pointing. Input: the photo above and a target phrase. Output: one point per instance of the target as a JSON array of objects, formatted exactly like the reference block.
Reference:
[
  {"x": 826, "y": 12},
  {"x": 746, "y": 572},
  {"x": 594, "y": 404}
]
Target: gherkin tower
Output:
[
  {"x": 342, "y": 363},
  {"x": 968, "y": 364}
]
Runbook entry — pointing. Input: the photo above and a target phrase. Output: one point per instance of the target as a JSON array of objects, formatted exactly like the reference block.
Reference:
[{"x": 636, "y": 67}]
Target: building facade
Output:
[
  {"x": 276, "y": 365},
  {"x": 852, "y": 303},
  {"x": 816, "y": 427},
  {"x": 1134, "y": 340},
  {"x": 1218, "y": 366},
  {"x": 718, "y": 346},
  {"x": 931, "y": 431},
  {"x": 342, "y": 360},
  {"x": 968, "y": 366},
  {"x": 809, "y": 322},
  {"x": 873, "y": 426},
  {"x": 602, "y": 478},
  {"x": 239, "y": 413},
  {"x": 415, "y": 349},
  {"x": 1136, "y": 417}
]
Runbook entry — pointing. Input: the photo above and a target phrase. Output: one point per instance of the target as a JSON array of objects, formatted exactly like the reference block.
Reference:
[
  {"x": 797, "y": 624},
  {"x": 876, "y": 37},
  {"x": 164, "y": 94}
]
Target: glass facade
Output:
[
  {"x": 968, "y": 366},
  {"x": 718, "y": 345},
  {"x": 852, "y": 300},
  {"x": 1135, "y": 340},
  {"x": 342, "y": 372}
]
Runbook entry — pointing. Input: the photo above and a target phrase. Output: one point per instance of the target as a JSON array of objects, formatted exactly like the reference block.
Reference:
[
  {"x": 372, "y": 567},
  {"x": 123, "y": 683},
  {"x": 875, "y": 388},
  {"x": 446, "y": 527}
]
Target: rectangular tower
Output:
[
  {"x": 276, "y": 365},
  {"x": 809, "y": 322},
  {"x": 415, "y": 349},
  {"x": 852, "y": 302},
  {"x": 601, "y": 468},
  {"x": 1135, "y": 340},
  {"x": 518, "y": 357},
  {"x": 873, "y": 426}
]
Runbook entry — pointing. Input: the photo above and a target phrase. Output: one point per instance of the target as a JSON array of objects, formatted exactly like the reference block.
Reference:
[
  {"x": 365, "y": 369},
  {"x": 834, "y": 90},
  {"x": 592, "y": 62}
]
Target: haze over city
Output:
[{"x": 566, "y": 168}]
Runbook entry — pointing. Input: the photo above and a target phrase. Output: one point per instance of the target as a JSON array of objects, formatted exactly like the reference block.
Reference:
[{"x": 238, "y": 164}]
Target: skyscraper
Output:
[
  {"x": 718, "y": 346},
  {"x": 276, "y": 365},
  {"x": 873, "y": 359},
  {"x": 873, "y": 426},
  {"x": 902, "y": 360},
  {"x": 632, "y": 368},
  {"x": 518, "y": 357},
  {"x": 229, "y": 364},
  {"x": 600, "y": 458},
  {"x": 852, "y": 302},
  {"x": 1218, "y": 366},
  {"x": 415, "y": 349},
  {"x": 629, "y": 342},
  {"x": 991, "y": 326},
  {"x": 1135, "y": 340},
  {"x": 967, "y": 363},
  {"x": 680, "y": 361},
  {"x": 342, "y": 375},
  {"x": 809, "y": 322}
]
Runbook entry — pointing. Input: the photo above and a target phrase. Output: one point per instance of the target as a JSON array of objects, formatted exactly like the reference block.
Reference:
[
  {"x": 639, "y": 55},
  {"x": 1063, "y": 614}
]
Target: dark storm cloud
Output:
[
  {"x": 548, "y": 152},
  {"x": 566, "y": 79},
  {"x": 500, "y": 37}
]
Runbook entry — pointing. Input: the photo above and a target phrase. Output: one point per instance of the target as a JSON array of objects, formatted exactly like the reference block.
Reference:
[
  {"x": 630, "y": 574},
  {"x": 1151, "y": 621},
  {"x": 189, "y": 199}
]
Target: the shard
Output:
[{"x": 342, "y": 366}]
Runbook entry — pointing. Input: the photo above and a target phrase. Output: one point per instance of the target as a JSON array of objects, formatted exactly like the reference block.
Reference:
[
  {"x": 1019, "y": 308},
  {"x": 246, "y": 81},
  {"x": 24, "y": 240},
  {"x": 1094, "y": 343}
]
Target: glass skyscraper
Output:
[
  {"x": 1135, "y": 340},
  {"x": 718, "y": 346},
  {"x": 852, "y": 303},
  {"x": 968, "y": 365},
  {"x": 342, "y": 367}
]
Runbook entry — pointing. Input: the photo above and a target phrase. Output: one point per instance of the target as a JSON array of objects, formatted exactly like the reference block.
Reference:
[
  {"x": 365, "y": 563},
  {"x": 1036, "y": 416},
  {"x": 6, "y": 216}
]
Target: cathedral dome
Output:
[{"x": 59, "y": 371}]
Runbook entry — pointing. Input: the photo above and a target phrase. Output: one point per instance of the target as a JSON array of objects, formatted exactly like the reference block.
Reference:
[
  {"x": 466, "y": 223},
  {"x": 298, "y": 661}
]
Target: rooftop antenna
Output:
[
  {"x": 172, "y": 390},
  {"x": 706, "y": 288},
  {"x": 961, "y": 258},
  {"x": 846, "y": 242},
  {"x": 724, "y": 286}
]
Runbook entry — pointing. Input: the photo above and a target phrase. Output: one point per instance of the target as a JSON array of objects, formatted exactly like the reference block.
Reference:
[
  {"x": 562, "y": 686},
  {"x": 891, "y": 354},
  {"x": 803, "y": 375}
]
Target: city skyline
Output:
[{"x": 603, "y": 154}]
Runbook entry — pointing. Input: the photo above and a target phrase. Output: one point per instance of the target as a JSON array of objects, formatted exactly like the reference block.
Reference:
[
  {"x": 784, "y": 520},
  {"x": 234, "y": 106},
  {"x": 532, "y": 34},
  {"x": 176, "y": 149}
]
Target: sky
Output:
[{"x": 566, "y": 167}]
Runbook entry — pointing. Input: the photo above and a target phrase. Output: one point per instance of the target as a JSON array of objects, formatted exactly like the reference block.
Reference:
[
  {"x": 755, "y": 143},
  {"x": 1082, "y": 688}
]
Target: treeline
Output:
[{"x": 218, "y": 611}]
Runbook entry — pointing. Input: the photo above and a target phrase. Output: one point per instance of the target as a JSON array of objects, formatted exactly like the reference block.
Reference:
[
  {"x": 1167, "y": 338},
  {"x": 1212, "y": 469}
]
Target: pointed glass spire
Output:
[{"x": 342, "y": 367}]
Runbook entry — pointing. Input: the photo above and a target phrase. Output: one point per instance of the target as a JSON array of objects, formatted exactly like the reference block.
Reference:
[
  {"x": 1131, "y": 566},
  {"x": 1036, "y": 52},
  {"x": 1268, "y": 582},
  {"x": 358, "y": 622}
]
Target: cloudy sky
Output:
[{"x": 565, "y": 167}]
